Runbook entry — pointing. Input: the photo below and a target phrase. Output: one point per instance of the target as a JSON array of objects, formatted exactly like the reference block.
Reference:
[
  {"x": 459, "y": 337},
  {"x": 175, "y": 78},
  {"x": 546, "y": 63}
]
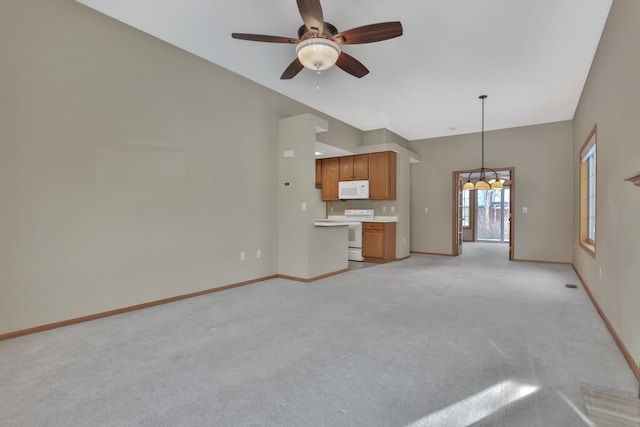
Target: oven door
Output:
[{"x": 355, "y": 235}]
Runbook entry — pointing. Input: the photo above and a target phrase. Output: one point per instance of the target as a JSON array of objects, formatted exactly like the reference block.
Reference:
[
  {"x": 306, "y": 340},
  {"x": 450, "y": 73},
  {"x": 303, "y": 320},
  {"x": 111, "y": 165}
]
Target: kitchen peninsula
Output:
[
  {"x": 305, "y": 252},
  {"x": 371, "y": 238}
]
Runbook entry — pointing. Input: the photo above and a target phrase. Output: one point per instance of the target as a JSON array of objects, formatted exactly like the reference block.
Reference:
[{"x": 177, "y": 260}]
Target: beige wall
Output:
[
  {"x": 611, "y": 99},
  {"x": 542, "y": 157},
  {"x": 130, "y": 170}
]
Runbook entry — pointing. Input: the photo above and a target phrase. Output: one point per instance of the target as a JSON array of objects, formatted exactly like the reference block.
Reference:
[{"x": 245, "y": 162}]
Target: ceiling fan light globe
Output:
[{"x": 317, "y": 54}]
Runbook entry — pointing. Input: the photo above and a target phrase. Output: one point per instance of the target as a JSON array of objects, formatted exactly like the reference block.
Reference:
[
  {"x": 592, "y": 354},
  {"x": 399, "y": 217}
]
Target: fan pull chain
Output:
[{"x": 318, "y": 80}]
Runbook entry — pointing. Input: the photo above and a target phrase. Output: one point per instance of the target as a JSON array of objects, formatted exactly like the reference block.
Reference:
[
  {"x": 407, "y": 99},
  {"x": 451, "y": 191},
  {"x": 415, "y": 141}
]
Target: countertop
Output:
[
  {"x": 338, "y": 220},
  {"x": 327, "y": 223}
]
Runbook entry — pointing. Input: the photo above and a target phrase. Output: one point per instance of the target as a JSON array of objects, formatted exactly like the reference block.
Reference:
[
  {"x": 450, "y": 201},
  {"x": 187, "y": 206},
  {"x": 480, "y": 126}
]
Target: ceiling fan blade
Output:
[
  {"x": 294, "y": 68},
  {"x": 351, "y": 65},
  {"x": 263, "y": 38},
  {"x": 311, "y": 12},
  {"x": 370, "y": 33}
]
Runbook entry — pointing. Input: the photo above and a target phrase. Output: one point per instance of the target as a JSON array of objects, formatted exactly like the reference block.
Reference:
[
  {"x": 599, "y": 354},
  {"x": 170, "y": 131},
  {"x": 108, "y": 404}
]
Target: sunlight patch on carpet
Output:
[{"x": 479, "y": 406}]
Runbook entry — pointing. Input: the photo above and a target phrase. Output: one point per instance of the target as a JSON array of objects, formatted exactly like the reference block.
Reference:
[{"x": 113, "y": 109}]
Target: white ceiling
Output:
[{"x": 531, "y": 57}]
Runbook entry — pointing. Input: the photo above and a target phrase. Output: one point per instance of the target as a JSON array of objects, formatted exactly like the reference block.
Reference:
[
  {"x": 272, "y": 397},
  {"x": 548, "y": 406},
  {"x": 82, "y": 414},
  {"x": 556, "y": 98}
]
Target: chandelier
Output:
[{"x": 489, "y": 178}]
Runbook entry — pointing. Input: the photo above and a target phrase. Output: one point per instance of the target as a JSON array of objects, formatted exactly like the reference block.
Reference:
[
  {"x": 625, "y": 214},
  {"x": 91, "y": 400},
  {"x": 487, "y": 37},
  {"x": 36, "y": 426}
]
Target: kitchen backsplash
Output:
[{"x": 381, "y": 207}]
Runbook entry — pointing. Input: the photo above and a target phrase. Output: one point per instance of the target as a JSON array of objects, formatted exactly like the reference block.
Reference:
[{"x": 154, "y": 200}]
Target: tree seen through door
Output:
[{"x": 492, "y": 215}]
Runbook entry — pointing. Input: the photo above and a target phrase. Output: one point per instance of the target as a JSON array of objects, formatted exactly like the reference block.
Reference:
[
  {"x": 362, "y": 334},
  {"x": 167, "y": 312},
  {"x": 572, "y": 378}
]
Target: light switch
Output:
[
  {"x": 289, "y": 154},
  {"x": 303, "y": 206}
]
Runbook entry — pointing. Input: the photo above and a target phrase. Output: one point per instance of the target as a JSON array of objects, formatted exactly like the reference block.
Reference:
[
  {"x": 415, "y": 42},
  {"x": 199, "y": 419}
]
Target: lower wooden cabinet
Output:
[{"x": 379, "y": 241}]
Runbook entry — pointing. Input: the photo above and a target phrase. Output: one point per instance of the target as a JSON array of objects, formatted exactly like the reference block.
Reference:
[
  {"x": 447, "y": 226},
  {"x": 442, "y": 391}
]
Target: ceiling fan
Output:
[{"x": 318, "y": 43}]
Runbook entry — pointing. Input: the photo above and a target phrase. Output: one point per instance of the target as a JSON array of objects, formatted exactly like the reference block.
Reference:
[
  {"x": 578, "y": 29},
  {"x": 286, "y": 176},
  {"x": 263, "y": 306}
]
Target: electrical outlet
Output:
[
  {"x": 524, "y": 209},
  {"x": 393, "y": 208},
  {"x": 258, "y": 253},
  {"x": 243, "y": 256},
  {"x": 384, "y": 209},
  {"x": 303, "y": 206},
  {"x": 426, "y": 210}
]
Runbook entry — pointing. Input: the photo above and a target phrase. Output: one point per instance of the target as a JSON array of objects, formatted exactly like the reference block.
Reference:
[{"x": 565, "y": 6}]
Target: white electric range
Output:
[{"x": 355, "y": 218}]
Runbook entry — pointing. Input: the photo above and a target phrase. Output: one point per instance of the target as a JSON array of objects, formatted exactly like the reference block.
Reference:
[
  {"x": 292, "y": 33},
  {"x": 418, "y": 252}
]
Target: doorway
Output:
[
  {"x": 492, "y": 209},
  {"x": 483, "y": 215}
]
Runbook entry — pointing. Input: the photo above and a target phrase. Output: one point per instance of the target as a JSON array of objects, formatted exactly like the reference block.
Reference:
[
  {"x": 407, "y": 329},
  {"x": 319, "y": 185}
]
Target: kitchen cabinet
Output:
[
  {"x": 318, "y": 173},
  {"x": 382, "y": 175},
  {"x": 379, "y": 241},
  {"x": 330, "y": 172},
  {"x": 378, "y": 168},
  {"x": 354, "y": 168}
]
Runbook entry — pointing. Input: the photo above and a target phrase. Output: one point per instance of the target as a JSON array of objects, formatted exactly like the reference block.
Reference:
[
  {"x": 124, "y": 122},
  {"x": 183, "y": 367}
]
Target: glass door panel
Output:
[
  {"x": 506, "y": 209},
  {"x": 492, "y": 215}
]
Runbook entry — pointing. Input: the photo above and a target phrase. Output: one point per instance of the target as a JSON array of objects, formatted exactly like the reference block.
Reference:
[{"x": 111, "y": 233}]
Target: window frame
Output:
[
  {"x": 588, "y": 158},
  {"x": 470, "y": 218}
]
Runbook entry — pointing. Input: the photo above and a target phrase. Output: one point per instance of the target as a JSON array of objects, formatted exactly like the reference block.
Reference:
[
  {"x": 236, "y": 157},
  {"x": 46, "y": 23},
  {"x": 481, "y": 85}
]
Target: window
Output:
[
  {"x": 466, "y": 211},
  {"x": 588, "y": 181}
]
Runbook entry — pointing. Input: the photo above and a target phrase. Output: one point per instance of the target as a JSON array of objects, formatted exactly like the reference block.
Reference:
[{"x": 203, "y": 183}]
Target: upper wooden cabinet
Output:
[
  {"x": 354, "y": 168},
  {"x": 382, "y": 176},
  {"x": 330, "y": 171},
  {"x": 318, "y": 173},
  {"x": 378, "y": 168}
]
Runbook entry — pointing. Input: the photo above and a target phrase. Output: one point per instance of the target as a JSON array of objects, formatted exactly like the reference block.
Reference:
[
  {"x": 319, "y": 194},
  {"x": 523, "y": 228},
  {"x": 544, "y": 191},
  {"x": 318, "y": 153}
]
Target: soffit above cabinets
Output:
[{"x": 326, "y": 151}]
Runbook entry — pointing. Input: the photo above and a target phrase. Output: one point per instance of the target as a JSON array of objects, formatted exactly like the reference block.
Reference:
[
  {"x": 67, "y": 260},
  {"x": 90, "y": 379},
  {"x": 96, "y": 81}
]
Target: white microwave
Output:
[{"x": 353, "y": 189}]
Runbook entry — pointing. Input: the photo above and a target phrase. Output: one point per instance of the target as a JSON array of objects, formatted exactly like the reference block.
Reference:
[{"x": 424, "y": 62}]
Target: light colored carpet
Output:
[
  {"x": 435, "y": 341},
  {"x": 608, "y": 409}
]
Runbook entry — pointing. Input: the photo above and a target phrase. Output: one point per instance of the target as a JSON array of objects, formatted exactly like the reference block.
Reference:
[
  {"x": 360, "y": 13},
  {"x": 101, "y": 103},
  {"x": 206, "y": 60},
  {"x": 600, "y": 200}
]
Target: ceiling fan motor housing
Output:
[{"x": 328, "y": 32}]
